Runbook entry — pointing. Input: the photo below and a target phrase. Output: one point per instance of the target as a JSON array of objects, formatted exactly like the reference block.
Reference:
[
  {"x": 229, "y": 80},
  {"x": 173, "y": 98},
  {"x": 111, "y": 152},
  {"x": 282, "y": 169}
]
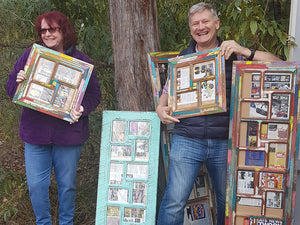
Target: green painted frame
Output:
[{"x": 128, "y": 171}]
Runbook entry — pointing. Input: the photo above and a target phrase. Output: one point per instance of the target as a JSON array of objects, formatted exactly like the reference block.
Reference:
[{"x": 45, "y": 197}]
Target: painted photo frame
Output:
[
  {"x": 197, "y": 84},
  {"x": 55, "y": 83},
  {"x": 263, "y": 143},
  {"x": 158, "y": 70},
  {"x": 128, "y": 168}
]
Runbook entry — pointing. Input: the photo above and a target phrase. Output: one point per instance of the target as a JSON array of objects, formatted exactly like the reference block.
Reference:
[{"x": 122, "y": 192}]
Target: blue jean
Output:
[
  {"x": 39, "y": 162},
  {"x": 186, "y": 158}
]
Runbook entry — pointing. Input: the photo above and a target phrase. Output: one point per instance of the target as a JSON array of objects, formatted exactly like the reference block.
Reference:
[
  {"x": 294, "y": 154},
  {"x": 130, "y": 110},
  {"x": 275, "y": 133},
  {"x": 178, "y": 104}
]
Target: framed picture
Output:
[
  {"x": 197, "y": 84},
  {"x": 263, "y": 143},
  {"x": 197, "y": 213},
  {"x": 158, "y": 70},
  {"x": 55, "y": 83},
  {"x": 128, "y": 168}
]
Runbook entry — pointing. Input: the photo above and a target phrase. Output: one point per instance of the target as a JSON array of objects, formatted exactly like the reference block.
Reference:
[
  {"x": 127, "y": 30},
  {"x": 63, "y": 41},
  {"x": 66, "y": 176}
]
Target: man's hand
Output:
[{"x": 163, "y": 114}]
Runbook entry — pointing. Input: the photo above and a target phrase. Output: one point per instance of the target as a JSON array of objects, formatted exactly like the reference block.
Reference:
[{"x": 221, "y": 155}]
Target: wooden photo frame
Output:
[
  {"x": 158, "y": 69},
  {"x": 128, "y": 171},
  {"x": 55, "y": 83},
  {"x": 197, "y": 84},
  {"x": 263, "y": 143}
]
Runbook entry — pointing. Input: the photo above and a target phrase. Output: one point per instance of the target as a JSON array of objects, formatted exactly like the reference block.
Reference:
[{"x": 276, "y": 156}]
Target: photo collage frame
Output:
[
  {"x": 197, "y": 84},
  {"x": 55, "y": 83},
  {"x": 128, "y": 172},
  {"x": 263, "y": 136}
]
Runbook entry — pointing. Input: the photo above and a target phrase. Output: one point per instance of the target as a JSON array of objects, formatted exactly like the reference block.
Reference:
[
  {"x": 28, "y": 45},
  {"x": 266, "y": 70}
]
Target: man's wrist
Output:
[{"x": 251, "y": 56}]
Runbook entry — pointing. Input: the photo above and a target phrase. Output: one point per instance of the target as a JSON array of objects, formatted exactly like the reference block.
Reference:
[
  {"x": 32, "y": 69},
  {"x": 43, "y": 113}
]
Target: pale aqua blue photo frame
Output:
[{"x": 128, "y": 170}]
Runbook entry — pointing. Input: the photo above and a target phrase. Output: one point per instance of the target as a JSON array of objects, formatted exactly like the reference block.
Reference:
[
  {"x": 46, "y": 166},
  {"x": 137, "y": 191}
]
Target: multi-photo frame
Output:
[
  {"x": 263, "y": 145},
  {"x": 197, "y": 84},
  {"x": 55, "y": 82},
  {"x": 128, "y": 171}
]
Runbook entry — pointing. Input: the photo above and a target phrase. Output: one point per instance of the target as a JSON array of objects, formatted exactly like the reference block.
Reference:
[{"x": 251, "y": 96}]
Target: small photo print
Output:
[
  {"x": 67, "y": 74},
  {"x": 262, "y": 221},
  {"x": 255, "y": 158},
  {"x": 187, "y": 98},
  {"x": 40, "y": 93},
  {"x": 183, "y": 78},
  {"x": 142, "y": 149},
  {"x": 122, "y": 152},
  {"x": 137, "y": 171},
  {"x": 203, "y": 70},
  {"x": 64, "y": 97},
  {"x": 118, "y": 131},
  {"x": 278, "y": 81},
  {"x": 208, "y": 92},
  {"x": 277, "y": 155},
  {"x": 271, "y": 180},
  {"x": 135, "y": 215},
  {"x": 116, "y": 173},
  {"x": 44, "y": 70},
  {"x": 197, "y": 214},
  {"x": 113, "y": 215},
  {"x": 200, "y": 186},
  {"x": 118, "y": 195},
  {"x": 248, "y": 221},
  {"x": 255, "y": 202},
  {"x": 139, "y": 128},
  {"x": 278, "y": 131},
  {"x": 139, "y": 194},
  {"x": 163, "y": 73},
  {"x": 258, "y": 109},
  {"x": 274, "y": 200},
  {"x": 280, "y": 106},
  {"x": 255, "y": 85},
  {"x": 252, "y": 128},
  {"x": 245, "y": 182}
]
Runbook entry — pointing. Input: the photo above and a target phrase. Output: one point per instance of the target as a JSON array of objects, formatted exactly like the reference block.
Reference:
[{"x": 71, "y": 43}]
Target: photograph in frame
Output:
[
  {"x": 67, "y": 74},
  {"x": 139, "y": 193},
  {"x": 116, "y": 173},
  {"x": 245, "y": 182},
  {"x": 136, "y": 215},
  {"x": 113, "y": 215},
  {"x": 137, "y": 171},
  {"x": 44, "y": 70},
  {"x": 118, "y": 195}
]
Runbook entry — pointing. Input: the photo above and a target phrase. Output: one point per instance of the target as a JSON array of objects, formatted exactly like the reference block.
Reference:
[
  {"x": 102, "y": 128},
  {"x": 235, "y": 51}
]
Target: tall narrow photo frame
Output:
[
  {"x": 128, "y": 171},
  {"x": 55, "y": 82},
  {"x": 197, "y": 84},
  {"x": 263, "y": 147}
]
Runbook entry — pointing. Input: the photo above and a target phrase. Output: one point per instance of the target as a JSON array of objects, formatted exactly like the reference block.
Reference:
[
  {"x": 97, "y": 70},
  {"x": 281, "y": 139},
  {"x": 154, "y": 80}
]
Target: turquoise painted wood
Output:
[{"x": 128, "y": 170}]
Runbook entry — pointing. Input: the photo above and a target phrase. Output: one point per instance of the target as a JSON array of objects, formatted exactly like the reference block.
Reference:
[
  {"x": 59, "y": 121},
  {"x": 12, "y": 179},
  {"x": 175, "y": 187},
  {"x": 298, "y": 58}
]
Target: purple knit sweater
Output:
[{"x": 39, "y": 128}]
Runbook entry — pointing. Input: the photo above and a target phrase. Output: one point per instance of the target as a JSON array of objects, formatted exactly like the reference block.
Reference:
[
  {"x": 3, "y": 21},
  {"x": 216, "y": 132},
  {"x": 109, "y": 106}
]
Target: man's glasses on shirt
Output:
[{"x": 51, "y": 30}]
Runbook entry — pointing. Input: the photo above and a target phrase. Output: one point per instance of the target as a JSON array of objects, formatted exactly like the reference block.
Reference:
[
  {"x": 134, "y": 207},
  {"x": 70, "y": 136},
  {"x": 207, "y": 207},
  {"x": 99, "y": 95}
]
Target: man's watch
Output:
[{"x": 250, "y": 58}]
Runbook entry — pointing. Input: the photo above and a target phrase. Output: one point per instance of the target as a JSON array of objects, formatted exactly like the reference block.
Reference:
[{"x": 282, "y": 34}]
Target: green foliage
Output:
[
  {"x": 257, "y": 23},
  {"x": 11, "y": 188}
]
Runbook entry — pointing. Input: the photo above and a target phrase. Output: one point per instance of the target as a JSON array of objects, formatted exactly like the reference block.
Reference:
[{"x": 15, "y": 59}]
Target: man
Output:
[{"x": 202, "y": 138}]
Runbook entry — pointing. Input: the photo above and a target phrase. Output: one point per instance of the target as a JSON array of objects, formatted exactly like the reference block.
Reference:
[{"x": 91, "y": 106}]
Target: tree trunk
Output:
[{"x": 134, "y": 33}]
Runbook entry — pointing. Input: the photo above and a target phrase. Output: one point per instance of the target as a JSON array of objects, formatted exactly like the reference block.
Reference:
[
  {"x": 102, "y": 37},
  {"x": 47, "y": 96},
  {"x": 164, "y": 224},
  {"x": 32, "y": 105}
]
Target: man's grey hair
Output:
[{"x": 200, "y": 7}]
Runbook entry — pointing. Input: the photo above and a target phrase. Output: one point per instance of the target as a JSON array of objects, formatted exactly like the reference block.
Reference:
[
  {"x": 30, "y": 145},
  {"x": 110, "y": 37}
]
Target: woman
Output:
[{"x": 51, "y": 142}]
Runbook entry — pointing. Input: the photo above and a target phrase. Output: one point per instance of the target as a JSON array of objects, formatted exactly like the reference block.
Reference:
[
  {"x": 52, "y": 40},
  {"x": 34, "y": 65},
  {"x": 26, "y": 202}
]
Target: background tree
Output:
[{"x": 134, "y": 33}]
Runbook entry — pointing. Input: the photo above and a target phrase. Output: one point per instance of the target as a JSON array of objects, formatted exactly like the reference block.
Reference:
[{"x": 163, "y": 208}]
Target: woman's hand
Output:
[
  {"x": 21, "y": 76},
  {"x": 77, "y": 114}
]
